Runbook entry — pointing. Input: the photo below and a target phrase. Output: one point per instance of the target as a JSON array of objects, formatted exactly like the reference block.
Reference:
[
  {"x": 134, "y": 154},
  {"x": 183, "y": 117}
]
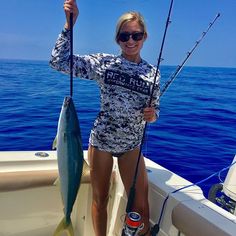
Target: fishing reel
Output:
[
  {"x": 218, "y": 196},
  {"x": 224, "y": 194},
  {"x": 132, "y": 224}
]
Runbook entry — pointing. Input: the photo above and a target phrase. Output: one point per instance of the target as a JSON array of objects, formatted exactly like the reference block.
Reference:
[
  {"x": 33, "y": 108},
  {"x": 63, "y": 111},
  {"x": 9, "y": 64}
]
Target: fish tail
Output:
[
  {"x": 54, "y": 144},
  {"x": 64, "y": 227}
]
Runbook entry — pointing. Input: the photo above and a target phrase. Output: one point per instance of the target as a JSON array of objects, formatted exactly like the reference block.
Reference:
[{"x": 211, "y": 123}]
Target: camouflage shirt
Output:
[{"x": 125, "y": 90}]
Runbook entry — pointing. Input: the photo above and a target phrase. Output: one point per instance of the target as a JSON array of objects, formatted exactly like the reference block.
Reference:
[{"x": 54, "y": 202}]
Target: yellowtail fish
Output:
[{"x": 70, "y": 162}]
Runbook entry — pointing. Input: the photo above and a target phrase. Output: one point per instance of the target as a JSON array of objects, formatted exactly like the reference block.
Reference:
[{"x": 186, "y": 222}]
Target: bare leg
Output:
[
  {"x": 101, "y": 164},
  {"x": 127, "y": 164}
]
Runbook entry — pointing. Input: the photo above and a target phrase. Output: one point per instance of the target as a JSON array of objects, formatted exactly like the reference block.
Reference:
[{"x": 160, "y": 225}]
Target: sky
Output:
[{"x": 29, "y": 29}]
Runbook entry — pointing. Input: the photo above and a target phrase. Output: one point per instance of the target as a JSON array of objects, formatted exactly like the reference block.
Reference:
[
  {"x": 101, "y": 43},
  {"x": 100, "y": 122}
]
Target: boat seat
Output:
[
  {"x": 191, "y": 223},
  {"x": 11, "y": 181},
  {"x": 19, "y": 180}
]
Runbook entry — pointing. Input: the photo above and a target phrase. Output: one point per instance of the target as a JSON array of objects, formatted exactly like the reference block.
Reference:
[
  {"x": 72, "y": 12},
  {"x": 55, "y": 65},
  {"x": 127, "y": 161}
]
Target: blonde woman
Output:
[{"x": 125, "y": 82}]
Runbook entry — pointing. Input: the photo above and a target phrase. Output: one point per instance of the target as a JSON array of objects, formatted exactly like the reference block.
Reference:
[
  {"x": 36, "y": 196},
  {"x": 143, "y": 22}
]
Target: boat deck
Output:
[{"x": 30, "y": 201}]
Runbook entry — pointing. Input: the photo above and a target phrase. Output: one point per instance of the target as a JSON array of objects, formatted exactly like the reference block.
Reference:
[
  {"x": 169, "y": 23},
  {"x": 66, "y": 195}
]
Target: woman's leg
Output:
[
  {"x": 127, "y": 164},
  {"x": 101, "y": 164}
]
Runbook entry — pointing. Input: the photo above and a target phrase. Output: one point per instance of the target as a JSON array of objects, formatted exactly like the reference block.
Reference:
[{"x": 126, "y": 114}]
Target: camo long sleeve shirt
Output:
[{"x": 125, "y": 89}]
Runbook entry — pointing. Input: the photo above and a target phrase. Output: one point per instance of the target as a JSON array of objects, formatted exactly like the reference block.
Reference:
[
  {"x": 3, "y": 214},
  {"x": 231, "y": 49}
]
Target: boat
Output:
[{"x": 30, "y": 200}]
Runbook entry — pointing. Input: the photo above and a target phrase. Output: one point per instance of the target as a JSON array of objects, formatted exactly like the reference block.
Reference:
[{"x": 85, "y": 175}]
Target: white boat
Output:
[{"x": 30, "y": 201}]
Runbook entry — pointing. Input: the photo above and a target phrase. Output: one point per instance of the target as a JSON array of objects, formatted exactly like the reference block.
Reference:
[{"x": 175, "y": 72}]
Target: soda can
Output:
[{"x": 132, "y": 224}]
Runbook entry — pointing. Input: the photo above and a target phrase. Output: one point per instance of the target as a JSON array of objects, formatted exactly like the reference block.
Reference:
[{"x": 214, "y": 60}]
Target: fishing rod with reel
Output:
[
  {"x": 156, "y": 227},
  {"x": 128, "y": 229}
]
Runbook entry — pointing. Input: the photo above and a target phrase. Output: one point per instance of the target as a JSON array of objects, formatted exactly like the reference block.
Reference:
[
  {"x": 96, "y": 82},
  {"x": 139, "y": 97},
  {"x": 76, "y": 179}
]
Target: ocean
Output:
[{"x": 194, "y": 137}]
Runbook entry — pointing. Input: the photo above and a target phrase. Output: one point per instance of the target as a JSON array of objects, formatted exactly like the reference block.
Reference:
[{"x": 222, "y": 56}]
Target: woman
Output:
[{"x": 125, "y": 82}]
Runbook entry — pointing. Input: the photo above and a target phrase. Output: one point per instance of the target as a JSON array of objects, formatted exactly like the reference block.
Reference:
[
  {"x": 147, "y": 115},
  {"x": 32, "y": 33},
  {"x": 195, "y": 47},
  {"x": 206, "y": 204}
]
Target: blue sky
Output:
[{"x": 29, "y": 29}]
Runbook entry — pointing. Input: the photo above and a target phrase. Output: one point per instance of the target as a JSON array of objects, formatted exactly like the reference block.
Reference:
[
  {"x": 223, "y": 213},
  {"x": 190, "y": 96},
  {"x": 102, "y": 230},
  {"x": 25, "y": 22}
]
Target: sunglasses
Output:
[{"x": 125, "y": 36}]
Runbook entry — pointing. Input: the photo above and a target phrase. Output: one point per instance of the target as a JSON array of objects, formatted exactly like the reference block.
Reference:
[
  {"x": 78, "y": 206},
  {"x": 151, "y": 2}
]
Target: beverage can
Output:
[{"x": 132, "y": 224}]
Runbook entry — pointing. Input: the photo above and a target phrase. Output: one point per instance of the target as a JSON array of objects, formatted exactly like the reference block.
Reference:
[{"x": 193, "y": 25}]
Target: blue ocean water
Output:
[{"x": 194, "y": 136}]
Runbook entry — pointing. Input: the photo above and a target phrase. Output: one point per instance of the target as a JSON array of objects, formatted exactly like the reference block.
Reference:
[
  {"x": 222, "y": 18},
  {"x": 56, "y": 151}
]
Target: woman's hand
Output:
[
  {"x": 70, "y": 6},
  {"x": 149, "y": 114}
]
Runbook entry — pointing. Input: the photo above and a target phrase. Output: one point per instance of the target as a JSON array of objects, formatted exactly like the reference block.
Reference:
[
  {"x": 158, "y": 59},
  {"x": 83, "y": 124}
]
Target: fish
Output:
[{"x": 70, "y": 160}]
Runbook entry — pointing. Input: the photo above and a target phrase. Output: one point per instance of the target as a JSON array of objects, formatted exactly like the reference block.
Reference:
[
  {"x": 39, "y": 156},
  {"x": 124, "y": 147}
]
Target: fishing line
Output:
[
  {"x": 132, "y": 189},
  {"x": 219, "y": 177},
  {"x": 180, "y": 67},
  {"x": 156, "y": 227}
]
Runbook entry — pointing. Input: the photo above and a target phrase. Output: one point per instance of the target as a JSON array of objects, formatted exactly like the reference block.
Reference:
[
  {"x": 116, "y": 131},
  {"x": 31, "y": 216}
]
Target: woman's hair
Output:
[{"x": 127, "y": 17}]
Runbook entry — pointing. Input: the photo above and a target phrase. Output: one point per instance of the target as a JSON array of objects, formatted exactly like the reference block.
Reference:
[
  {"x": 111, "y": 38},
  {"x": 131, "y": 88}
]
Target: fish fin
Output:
[
  {"x": 85, "y": 178},
  {"x": 57, "y": 181},
  {"x": 64, "y": 227},
  {"x": 54, "y": 144}
]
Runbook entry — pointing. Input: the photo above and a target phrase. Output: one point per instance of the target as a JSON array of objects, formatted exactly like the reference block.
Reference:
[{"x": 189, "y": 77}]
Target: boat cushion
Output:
[
  {"x": 18, "y": 180},
  {"x": 10, "y": 181}
]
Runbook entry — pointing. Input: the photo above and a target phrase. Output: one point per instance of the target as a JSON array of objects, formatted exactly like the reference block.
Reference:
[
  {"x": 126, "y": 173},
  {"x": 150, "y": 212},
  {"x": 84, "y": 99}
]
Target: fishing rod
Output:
[
  {"x": 156, "y": 227},
  {"x": 71, "y": 54},
  {"x": 189, "y": 53},
  {"x": 132, "y": 189}
]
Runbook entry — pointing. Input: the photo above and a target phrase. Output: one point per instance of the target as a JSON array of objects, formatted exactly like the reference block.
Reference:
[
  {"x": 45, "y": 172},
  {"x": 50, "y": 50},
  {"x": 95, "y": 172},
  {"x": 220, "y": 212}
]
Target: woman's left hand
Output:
[{"x": 149, "y": 114}]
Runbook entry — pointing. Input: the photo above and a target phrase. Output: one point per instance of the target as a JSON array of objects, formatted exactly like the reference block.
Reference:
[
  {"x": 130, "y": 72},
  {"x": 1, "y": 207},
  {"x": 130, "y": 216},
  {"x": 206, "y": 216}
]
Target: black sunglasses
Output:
[{"x": 125, "y": 36}]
